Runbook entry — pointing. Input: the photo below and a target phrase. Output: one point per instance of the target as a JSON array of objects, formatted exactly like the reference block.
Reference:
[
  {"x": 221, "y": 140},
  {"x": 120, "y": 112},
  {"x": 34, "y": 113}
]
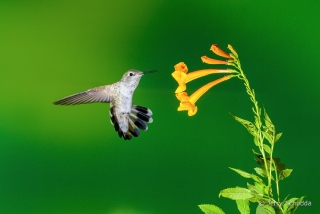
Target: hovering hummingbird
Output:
[{"x": 125, "y": 117}]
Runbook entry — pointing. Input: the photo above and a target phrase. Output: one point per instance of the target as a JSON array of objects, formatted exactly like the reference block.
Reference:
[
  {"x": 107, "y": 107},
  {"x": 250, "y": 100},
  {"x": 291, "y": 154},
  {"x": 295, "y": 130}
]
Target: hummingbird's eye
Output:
[{"x": 131, "y": 74}]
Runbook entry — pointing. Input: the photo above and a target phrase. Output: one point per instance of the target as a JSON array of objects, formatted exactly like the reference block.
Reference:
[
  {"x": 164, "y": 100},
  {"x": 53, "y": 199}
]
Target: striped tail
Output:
[{"x": 137, "y": 120}]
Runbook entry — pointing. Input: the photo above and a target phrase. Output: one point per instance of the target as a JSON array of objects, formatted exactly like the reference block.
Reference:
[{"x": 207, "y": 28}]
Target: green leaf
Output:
[
  {"x": 257, "y": 179},
  {"x": 247, "y": 175},
  {"x": 268, "y": 136},
  {"x": 242, "y": 173},
  {"x": 260, "y": 210},
  {"x": 259, "y": 187},
  {"x": 298, "y": 201},
  {"x": 267, "y": 120},
  {"x": 285, "y": 199},
  {"x": 260, "y": 172},
  {"x": 285, "y": 173},
  {"x": 255, "y": 199},
  {"x": 247, "y": 124},
  {"x": 287, "y": 205},
  {"x": 236, "y": 193},
  {"x": 268, "y": 190},
  {"x": 292, "y": 204},
  {"x": 243, "y": 206},
  {"x": 269, "y": 129},
  {"x": 254, "y": 191},
  {"x": 269, "y": 209},
  {"x": 263, "y": 208},
  {"x": 267, "y": 148},
  {"x": 256, "y": 141},
  {"x": 277, "y": 137},
  {"x": 210, "y": 209}
]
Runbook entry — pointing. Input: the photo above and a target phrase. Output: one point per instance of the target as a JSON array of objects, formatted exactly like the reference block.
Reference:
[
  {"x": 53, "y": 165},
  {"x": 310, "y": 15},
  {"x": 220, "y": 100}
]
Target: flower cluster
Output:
[{"x": 181, "y": 75}]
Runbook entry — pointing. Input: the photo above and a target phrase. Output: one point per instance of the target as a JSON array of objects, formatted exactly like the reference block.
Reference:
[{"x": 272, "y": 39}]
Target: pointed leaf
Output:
[
  {"x": 268, "y": 136},
  {"x": 242, "y": 173},
  {"x": 285, "y": 199},
  {"x": 267, "y": 119},
  {"x": 298, "y": 201},
  {"x": 269, "y": 209},
  {"x": 260, "y": 172},
  {"x": 243, "y": 206},
  {"x": 259, "y": 187},
  {"x": 210, "y": 209},
  {"x": 285, "y": 173},
  {"x": 236, "y": 193},
  {"x": 247, "y": 124},
  {"x": 292, "y": 204},
  {"x": 267, "y": 148},
  {"x": 257, "y": 179},
  {"x": 277, "y": 137},
  {"x": 288, "y": 205},
  {"x": 254, "y": 190}
]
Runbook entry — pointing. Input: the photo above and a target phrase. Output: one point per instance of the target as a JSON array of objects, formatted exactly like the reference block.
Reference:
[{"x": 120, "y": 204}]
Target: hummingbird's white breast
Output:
[
  {"x": 122, "y": 104},
  {"x": 125, "y": 101}
]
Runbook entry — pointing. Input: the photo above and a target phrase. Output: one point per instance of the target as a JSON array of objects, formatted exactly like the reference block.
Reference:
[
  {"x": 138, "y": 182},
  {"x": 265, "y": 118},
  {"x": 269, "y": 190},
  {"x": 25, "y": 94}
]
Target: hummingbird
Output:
[{"x": 126, "y": 118}]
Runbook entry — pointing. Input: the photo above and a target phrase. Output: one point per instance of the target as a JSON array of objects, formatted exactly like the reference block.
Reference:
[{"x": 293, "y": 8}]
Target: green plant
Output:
[{"x": 264, "y": 135}]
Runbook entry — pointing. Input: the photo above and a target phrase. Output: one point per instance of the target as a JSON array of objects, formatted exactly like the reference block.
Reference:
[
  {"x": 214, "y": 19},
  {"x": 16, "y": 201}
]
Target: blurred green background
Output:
[{"x": 56, "y": 159}]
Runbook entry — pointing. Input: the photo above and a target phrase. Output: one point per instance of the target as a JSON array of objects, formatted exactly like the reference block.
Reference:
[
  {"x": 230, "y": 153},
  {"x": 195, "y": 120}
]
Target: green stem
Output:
[
  {"x": 274, "y": 165},
  {"x": 277, "y": 181},
  {"x": 257, "y": 113}
]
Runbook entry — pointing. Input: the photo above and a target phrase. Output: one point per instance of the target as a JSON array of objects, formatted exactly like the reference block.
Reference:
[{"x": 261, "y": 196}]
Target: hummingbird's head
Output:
[{"x": 132, "y": 77}]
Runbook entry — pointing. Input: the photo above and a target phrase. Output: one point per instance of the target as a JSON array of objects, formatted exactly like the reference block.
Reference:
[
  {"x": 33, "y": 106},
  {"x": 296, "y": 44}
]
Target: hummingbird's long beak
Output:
[{"x": 148, "y": 72}]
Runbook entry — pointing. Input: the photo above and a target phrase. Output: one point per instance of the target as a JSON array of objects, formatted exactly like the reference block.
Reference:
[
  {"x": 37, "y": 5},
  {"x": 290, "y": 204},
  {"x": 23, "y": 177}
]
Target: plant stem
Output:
[{"x": 257, "y": 112}]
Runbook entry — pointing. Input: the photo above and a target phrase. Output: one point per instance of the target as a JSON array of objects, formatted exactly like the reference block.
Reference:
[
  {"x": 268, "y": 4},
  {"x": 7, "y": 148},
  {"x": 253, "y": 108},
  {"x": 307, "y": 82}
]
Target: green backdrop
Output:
[{"x": 56, "y": 159}]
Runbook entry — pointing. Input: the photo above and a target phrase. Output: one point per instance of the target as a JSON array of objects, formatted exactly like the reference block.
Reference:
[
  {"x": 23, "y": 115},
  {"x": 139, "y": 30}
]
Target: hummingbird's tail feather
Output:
[
  {"x": 142, "y": 112},
  {"x": 140, "y": 115},
  {"x": 114, "y": 120},
  {"x": 133, "y": 129},
  {"x": 137, "y": 120},
  {"x": 142, "y": 109}
]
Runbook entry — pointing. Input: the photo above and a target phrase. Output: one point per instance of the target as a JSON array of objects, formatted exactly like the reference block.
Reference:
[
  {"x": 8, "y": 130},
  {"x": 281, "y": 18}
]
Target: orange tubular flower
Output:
[
  {"x": 201, "y": 73},
  {"x": 181, "y": 67},
  {"x": 185, "y": 104},
  {"x": 182, "y": 77},
  {"x": 211, "y": 61},
  {"x": 188, "y": 103},
  {"x": 215, "y": 49}
]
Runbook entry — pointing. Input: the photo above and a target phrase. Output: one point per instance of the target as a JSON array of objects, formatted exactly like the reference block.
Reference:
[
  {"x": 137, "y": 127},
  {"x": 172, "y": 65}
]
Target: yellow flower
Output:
[
  {"x": 181, "y": 67},
  {"x": 187, "y": 103},
  {"x": 182, "y": 77}
]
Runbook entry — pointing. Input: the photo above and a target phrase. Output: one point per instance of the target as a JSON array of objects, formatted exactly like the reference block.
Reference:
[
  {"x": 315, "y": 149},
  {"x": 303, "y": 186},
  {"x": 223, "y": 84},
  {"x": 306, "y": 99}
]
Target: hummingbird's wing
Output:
[{"x": 102, "y": 94}]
